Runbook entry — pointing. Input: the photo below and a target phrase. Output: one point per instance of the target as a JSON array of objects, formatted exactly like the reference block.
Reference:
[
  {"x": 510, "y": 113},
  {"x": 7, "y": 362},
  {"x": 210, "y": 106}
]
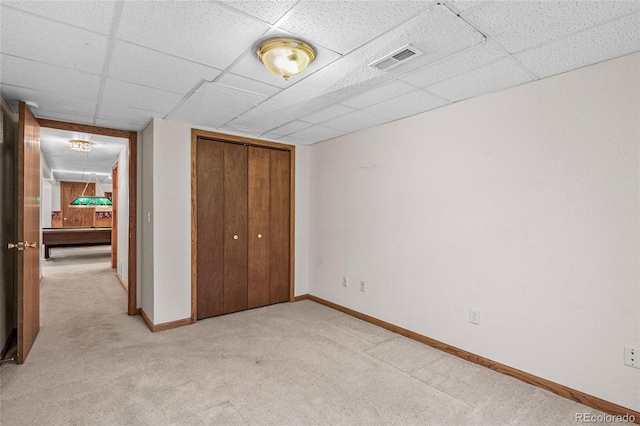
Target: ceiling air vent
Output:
[{"x": 396, "y": 58}]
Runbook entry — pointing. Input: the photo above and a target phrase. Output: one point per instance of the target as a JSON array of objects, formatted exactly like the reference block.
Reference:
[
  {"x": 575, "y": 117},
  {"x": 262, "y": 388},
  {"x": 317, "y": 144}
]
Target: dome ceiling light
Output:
[{"x": 285, "y": 56}]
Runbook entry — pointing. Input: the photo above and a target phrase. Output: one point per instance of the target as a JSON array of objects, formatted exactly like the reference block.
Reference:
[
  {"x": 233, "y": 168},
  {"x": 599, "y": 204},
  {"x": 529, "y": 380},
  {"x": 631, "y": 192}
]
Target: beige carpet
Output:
[{"x": 288, "y": 364}]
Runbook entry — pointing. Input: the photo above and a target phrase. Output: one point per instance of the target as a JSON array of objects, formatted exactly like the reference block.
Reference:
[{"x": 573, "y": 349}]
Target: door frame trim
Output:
[
  {"x": 132, "y": 308},
  {"x": 241, "y": 140}
]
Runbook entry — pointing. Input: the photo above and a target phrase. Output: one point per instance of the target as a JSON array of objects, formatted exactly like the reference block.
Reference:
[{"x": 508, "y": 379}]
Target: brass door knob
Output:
[
  {"x": 32, "y": 245},
  {"x": 235, "y": 237},
  {"x": 259, "y": 235}
]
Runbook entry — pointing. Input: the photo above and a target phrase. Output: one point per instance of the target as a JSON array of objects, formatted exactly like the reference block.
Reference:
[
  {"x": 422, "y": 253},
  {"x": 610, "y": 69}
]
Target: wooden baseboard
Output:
[
  {"x": 122, "y": 283},
  {"x": 165, "y": 325},
  {"x": 558, "y": 389},
  {"x": 301, "y": 297}
]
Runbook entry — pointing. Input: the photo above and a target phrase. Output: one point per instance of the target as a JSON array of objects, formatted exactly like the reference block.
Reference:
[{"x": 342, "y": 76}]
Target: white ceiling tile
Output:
[
  {"x": 291, "y": 127},
  {"x": 49, "y": 103},
  {"x": 314, "y": 134},
  {"x": 120, "y": 125},
  {"x": 115, "y": 112},
  {"x": 244, "y": 83},
  {"x": 39, "y": 39},
  {"x": 268, "y": 11},
  {"x": 344, "y": 25},
  {"x": 595, "y": 45},
  {"x": 519, "y": 25},
  {"x": 497, "y": 76},
  {"x": 48, "y": 78},
  {"x": 328, "y": 113},
  {"x": 242, "y": 131},
  {"x": 95, "y": 16},
  {"x": 214, "y": 105},
  {"x": 141, "y": 97},
  {"x": 455, "y": 64},
  {"x": 355, "y": 121},
  {"x": 379, "y": 94},
  {"x": 464, "y": 5},
  {"x": 147, "y": 67},
  {"x": 407, "y": 105},
  {"x": 204, "y": 32}
]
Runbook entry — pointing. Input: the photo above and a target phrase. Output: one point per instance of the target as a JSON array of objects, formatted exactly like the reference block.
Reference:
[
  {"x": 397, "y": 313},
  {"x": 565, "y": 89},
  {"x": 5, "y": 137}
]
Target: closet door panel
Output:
[
  {"x": 279, "y": 256},
  {"x": 235, "y": 227},
  {"x": 210, "y": 169},
  {"x": 259, "y": 235}
]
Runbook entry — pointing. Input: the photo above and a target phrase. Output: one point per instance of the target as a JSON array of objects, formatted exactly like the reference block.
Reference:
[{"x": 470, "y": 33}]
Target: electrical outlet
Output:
[
  {"x": 345, "y": 282},
  {"x": 474, "y": 316},
  {"x": 631, "y": 357},
  {"x": 361, "y": 285}
]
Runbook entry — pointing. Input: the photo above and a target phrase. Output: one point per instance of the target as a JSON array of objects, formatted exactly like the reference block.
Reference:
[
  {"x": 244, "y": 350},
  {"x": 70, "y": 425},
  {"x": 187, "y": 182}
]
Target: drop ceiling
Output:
[{"x": 119, "y": 64}]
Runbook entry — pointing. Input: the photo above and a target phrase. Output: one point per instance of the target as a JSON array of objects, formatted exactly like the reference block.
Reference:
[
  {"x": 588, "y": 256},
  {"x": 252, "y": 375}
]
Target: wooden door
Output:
[
  {"x": 259, "y": 233},
  {"x": 235, "y": 228},
  {"x": 28, "y": 205},
  {"x": 74, "y": 216},
  {"x": 210, "y": 223},
  {"x": 279, "y": 223},
  {"x": 242, "y": 226}
]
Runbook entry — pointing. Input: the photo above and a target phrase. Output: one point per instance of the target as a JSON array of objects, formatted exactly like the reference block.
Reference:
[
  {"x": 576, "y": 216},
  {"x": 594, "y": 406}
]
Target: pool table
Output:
[{"x": 74, "y": 237}]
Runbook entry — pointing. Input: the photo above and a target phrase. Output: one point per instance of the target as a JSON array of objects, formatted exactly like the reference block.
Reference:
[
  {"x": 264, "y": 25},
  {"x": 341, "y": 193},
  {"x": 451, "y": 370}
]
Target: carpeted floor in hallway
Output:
[{"x": 289, "y": 364}]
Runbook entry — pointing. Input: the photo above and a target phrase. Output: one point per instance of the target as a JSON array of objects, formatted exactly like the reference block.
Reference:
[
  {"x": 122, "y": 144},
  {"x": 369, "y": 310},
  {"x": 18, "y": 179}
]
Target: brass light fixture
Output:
[
  {"x": 285, "y": 56},
  {"x": 80, "y": 145}
]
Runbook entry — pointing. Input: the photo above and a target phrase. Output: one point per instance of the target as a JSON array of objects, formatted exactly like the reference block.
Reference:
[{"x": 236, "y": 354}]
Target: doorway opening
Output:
[{"x": 122, "y": 231}]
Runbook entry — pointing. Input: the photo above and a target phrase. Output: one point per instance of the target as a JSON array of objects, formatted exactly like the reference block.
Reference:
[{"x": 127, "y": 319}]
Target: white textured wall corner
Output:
[
  {"x": 171, "y": 217},
  {"x": 523, "y": 203}
]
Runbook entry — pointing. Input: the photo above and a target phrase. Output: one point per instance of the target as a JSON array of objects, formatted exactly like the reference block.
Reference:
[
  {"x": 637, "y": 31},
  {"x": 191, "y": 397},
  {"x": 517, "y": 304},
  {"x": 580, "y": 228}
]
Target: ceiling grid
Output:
[{"x": 120, "y": 64}]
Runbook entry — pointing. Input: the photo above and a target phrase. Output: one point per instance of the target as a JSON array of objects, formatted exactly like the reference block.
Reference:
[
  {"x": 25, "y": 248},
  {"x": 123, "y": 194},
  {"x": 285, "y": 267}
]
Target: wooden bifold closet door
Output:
[{"x": 243, "y": 201}]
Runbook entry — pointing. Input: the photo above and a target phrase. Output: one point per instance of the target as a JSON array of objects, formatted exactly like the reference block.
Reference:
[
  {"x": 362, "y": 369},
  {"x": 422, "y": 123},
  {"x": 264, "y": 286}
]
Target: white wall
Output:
[
  {"x": 171, "y": 218},
  {"x": 122, "y": 262},
  {"x": 522, "y": 203},
  {"x": 145, "y": 228},
  {"x": 46, "y": 194},
  {"x": 169, "y": 282}
]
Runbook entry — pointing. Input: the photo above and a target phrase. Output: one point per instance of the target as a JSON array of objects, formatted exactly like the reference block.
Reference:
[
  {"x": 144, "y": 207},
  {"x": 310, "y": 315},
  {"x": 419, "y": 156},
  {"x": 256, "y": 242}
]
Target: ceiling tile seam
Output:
[
  {"x": 365, "y": 112},
  {"x": 556, "y": 40},
  {"x": 46, "y": 93},
  {"x": 519, "y": 64},
  {"x": 255, "y": 18},
  {"x": 394, "y": 28},
  {"x": 115, "y": 24},
  {"x": 425, "y": 67},
  {"x": 292, "y": 132},
  {"x": 186, "y": 97},
  {"x": 162, "y": 52},
  {"x": 487, "y": 64},
  {"x": 476, "y": 7},
  {"x": 144, "y": 85},
  {"x": 66, "y": 24},
  {"x": 51, "y": 65},
  {"x": 416, "y": 89},
  {"x": 224, "y": 72}
]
